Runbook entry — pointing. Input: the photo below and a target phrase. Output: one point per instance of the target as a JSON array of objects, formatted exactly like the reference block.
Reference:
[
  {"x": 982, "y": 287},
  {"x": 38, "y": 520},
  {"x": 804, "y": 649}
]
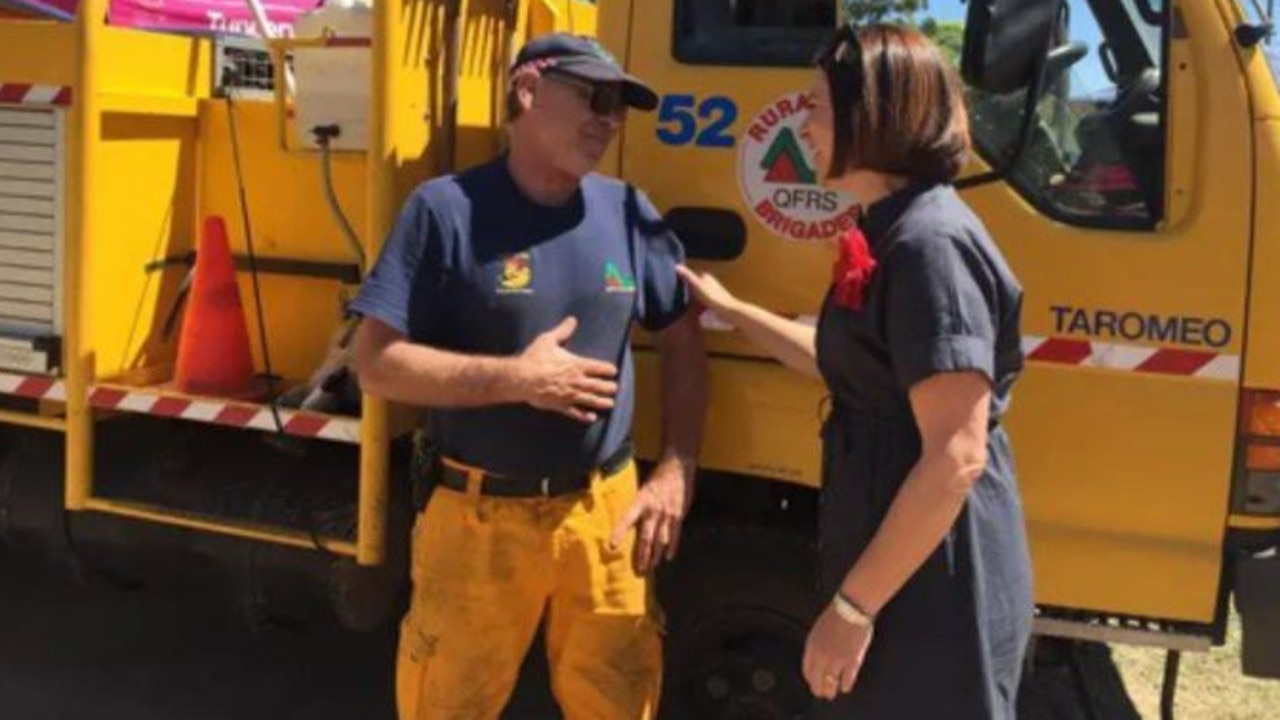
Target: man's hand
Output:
[
  {"x": 657, "y": 515},
  {"x": 555, "y": 379}
]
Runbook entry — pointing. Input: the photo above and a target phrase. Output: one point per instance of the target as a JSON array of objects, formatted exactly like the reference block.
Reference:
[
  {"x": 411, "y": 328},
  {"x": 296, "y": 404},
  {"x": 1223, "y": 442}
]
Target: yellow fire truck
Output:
[{"x": 1126, "y": 151}]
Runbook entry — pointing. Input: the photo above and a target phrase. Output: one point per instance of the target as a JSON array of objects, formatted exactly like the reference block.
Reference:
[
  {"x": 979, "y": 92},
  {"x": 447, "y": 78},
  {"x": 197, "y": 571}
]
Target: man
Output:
[{"x": 503, "y": 300}]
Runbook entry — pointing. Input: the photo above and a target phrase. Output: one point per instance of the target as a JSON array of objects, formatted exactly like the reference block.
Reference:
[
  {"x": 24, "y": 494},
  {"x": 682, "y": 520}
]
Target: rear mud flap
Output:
[{"x": 1257, "y": 591}]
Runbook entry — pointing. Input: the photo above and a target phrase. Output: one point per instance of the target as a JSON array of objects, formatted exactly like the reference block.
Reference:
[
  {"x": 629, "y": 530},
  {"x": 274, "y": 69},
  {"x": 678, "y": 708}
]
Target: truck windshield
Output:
[
  {"x": 1096, "y": 155},
  {"x": 1096, "y": 152}
]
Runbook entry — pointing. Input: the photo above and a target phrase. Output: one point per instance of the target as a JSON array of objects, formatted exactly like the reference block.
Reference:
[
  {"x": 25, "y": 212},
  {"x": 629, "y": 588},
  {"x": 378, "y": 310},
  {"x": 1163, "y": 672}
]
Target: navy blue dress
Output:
[{"x": 950, "y": 644}]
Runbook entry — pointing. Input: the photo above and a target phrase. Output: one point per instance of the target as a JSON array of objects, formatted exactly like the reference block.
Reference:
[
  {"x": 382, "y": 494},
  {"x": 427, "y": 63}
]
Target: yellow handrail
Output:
[
  {"x": 81, "y": 180},
  {"x": 371, "y": 522},
  {"x": 193, "y": 521}
]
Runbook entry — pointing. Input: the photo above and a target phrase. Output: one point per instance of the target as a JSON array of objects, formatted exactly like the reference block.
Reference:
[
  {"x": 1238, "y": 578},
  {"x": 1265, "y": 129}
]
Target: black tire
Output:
[
  {"x": 366, "y": 599},
  {"x": 739, "y": 603}
]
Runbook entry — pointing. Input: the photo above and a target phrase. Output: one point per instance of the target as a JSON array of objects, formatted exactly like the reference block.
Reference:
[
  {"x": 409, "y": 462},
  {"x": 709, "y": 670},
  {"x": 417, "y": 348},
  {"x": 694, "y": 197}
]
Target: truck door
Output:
[
  {"x": 1130, "y": 236},
  {"x": 722, "y": 157}
]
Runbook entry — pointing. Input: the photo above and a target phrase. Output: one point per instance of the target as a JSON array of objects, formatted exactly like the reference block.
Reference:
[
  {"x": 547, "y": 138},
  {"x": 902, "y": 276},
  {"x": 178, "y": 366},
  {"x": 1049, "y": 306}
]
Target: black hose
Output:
[
  {"x": 324, "y": 138},
  {"x": 253, "y": 264},
  {"x": 261, "y": 317}
]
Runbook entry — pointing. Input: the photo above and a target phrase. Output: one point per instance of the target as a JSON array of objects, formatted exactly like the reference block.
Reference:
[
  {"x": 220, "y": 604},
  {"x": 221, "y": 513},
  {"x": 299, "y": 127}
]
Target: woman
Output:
[{"x": 921, "y": 528}]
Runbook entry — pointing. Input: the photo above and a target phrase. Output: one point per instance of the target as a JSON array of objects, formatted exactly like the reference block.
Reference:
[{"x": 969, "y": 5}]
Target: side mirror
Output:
[
  {"x": 1005, "y": 42},
  {"x": 1061, "y": 58}
]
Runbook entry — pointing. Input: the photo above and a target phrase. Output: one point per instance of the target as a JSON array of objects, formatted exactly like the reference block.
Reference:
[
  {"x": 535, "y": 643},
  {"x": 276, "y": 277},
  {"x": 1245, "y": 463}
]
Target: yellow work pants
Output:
[{"x": 485, "y": 568}]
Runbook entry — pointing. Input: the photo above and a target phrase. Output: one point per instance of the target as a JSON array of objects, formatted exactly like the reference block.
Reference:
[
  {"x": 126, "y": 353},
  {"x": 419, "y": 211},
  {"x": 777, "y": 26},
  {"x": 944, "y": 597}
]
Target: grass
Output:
[{"x": 1211, "y": 685}]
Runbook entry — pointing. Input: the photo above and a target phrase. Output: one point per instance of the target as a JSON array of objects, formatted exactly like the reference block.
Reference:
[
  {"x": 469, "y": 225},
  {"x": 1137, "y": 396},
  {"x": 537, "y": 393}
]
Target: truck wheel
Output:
[
  {"x": 363, "y": 598},
  {"x": 739, "y": 602}
]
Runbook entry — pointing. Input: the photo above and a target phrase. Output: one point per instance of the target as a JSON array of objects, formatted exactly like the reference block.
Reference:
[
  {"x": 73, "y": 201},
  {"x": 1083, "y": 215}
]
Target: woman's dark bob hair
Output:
[{"x": 897, "y": 104}]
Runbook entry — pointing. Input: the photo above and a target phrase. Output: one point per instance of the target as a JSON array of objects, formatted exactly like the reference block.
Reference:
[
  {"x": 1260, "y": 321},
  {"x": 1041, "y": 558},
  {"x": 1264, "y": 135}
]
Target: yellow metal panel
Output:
[
  {"x": 284, "y": 190},
  {"x": 1262, "y": 360},
  {"x": 572, "y": 16},
  {"x": 144, "y": 205},
  {"x": 485, "y": 56},
  {"x": 1264, "y": 96},
  {"x": 150, "y": 104},
  {"x": 1183, "y": 133},
  {"x": 413, "y": 72},
  {"x": 762, "y": 420},
  {"x": 1262, "y": 363},
  {"x": 152, "y": 63},
  {"x": 37, "y": 51},
  {"x": 1124, "y": 483},
  {"x": 613, "y": 21},
  {"x": 289, "y": 219}
]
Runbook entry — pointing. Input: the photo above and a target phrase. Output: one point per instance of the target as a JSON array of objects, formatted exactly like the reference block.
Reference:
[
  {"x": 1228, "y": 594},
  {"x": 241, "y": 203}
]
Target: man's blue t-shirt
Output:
[{"x": 475, "y": 267}]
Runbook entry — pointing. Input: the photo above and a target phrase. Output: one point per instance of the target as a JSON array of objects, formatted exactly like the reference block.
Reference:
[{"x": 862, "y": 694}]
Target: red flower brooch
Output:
[{"x": 852, "y": 271}]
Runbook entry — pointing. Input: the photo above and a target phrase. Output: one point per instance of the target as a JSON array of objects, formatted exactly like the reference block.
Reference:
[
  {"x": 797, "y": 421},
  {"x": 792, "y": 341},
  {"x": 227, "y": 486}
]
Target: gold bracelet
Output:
[{"x": 849, "y": 611}]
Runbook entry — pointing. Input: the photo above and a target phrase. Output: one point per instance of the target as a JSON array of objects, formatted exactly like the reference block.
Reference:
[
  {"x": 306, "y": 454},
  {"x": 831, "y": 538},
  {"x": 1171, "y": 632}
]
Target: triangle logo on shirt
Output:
[{"x": 615, "y": 281}]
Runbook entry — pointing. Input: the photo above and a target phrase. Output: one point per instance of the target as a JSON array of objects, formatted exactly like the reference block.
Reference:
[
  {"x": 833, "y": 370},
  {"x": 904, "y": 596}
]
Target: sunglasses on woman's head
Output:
[
  {"x": 604, "y": 99},
  {"x": 846, "y": 65},
  {"x": 841, "y": 58}
]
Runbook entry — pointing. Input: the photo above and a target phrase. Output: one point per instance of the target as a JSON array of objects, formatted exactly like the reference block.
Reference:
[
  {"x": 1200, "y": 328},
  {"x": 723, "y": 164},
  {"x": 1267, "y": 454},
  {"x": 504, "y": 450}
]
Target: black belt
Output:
[{"x": 455, "y": 478}]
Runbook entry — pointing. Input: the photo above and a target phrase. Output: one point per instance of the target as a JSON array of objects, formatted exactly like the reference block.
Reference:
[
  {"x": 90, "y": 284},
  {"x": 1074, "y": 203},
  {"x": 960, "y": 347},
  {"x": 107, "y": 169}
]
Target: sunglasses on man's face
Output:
[{"x": 604, "y": 99}]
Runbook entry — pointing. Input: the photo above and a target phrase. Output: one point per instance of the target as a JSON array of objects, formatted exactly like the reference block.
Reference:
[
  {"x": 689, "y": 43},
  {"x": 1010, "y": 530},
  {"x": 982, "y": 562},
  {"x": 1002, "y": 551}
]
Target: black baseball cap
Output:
[{"x": 583, "y": 57}]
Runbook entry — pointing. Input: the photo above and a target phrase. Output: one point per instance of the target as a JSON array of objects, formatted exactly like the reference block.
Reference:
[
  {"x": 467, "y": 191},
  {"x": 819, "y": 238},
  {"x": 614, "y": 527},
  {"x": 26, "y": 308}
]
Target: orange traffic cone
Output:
[{"x": 213, "y": 350}]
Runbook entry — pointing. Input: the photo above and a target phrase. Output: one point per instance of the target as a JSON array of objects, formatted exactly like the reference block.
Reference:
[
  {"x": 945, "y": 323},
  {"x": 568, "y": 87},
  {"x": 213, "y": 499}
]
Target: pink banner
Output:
[{"x": 227, "y": 17}]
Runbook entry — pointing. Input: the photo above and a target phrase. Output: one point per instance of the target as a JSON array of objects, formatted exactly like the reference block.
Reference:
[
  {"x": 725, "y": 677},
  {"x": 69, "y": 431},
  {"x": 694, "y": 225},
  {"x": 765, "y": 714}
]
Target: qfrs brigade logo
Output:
[{"x": 779, "y": 180}]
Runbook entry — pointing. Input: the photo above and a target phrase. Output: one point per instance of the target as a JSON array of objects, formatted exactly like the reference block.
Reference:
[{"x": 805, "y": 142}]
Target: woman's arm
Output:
[
  {"x": 791, "y": 342},
  {"x": 951, "y": 412}
]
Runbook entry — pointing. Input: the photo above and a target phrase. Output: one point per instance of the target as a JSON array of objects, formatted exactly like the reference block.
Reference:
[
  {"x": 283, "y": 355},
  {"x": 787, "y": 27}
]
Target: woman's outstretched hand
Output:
[{"x": 710, "y": 293}]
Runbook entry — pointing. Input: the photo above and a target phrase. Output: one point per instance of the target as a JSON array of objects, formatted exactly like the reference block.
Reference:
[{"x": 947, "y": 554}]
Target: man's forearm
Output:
[
  {"x": 684, "y": 393},
  {"x": 420, "y": 375}
]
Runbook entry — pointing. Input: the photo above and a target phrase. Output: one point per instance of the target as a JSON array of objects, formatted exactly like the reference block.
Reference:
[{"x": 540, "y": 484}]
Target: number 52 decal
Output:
[{"x": 679, "y": 115}]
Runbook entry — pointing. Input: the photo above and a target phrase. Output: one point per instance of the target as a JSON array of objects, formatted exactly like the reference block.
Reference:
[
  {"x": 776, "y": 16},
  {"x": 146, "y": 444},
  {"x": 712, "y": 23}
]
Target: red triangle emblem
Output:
[{"x": 783, "y": 170}]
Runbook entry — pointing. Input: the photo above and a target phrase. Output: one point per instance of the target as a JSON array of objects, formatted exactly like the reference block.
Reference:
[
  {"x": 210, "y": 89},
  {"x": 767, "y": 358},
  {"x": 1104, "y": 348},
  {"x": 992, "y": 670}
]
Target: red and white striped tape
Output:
[
  {"x": 1132, "y": 358},
  {"x": 227, "y": 413},
  {"x": 33, "y": 387},
  {"x": 207, "y": 410},
  {"x": 28, "y": 94},
  {"x": 1087, "y": 353}
]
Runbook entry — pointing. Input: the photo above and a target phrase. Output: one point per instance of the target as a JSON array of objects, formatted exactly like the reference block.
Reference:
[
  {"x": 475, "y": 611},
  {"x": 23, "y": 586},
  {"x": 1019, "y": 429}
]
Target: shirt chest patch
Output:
[
  {"x": 615, "y": 281},
  {"x": 515, "y": 275}
]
